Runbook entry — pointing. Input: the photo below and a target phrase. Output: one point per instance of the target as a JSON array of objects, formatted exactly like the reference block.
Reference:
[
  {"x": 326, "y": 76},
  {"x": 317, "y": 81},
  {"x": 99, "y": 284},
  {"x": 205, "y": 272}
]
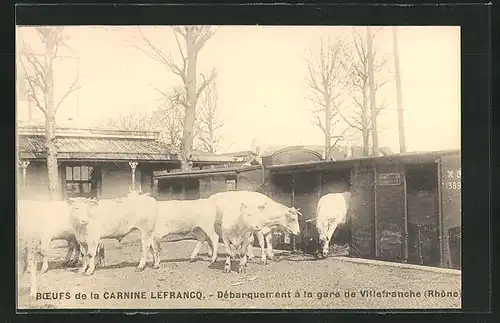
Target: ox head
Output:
[
  {"x": 80, "y": 209},
  {"x": 292, "y": 221}
]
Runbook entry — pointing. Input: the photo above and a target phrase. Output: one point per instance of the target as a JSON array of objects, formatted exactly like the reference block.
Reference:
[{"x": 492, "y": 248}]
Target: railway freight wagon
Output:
[{"x": 405, "y": 208}]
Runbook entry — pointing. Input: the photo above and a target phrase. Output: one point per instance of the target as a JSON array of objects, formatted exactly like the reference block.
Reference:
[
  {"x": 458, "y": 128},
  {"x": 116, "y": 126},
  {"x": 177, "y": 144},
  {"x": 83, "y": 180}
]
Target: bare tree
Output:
[
  {"x": 39, "y": 73},
  {"x": 209, "y": 120},
  {"x": 134, "y": 121},
  {"x": 325, "y": 83},
  {"x": 169, "y": 117},
  {"x": 193, "y": 38},
  {"x": 355, "y": 64}
]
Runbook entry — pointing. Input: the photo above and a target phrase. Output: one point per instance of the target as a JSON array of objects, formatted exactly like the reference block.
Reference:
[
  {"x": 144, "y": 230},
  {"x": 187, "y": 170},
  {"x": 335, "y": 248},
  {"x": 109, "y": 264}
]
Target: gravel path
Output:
[{"x": 330, "y": 283}]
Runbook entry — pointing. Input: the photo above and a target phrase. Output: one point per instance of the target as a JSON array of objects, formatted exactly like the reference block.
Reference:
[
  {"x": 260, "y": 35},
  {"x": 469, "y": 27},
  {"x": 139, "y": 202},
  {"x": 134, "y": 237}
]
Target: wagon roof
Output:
[{"x": 406, "y": 158}]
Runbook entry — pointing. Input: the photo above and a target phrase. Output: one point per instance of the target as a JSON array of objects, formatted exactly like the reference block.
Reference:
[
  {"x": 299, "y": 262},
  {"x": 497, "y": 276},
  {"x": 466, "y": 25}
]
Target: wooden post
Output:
[
  {"x": 405, "y": 217},
  {"x": 375, "y": 217},
  {"x": 294, "y": 246},
  {"x": 24, "y": 165},
  {"x": 133, "y": 166},
  {"x": 444, "y": 250}
]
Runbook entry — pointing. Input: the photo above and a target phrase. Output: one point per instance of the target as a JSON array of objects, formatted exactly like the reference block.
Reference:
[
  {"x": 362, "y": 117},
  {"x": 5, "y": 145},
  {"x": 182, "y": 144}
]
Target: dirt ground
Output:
[{"x": 291, "y": 281}]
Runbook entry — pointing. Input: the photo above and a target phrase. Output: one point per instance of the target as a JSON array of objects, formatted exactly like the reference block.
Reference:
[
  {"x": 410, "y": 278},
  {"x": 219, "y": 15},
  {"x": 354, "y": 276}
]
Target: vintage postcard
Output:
[{"x": 264, "y": 167}]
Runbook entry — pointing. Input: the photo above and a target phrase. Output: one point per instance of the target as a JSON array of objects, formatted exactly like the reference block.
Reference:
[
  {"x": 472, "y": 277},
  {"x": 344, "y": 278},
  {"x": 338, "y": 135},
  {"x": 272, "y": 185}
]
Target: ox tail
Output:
[{"x": 349, "y": 215}]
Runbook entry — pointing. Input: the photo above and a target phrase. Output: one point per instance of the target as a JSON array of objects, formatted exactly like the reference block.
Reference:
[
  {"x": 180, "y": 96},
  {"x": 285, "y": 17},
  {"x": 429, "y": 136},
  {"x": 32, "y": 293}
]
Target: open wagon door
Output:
[{"x": 361, "y": 218}]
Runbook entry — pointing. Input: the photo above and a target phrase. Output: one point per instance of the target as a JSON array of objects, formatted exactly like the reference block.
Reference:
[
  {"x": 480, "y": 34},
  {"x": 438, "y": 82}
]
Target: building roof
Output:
[{"x": 95, "y": 144}]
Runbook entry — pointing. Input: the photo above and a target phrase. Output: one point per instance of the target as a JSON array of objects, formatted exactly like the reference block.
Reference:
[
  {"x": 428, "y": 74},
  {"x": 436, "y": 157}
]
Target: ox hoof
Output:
[
  {"x": 156, "y": 266},
  {"x": 81, "y": 271},
  {"x": 139, "y": 269},
  {"x": 263, "y": 261},
  {"x": 242, "y": 269},
  {"x": 227, "y": 269},
  {"x": 192, "y": 259},
  {"x": 89, "y": 273}
]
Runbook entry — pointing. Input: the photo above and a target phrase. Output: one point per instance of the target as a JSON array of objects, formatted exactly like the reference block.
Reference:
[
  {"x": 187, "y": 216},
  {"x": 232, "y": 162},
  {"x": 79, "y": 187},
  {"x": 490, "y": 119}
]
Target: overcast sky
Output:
[{"x": 262, "y": 80}]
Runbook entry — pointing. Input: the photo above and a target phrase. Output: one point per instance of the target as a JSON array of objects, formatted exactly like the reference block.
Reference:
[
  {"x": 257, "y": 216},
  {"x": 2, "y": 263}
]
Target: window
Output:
[{"x": 79, "y": 181}]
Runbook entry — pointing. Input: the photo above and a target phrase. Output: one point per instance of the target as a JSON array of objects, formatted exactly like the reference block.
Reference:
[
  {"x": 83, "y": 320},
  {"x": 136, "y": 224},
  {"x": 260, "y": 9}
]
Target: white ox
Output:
[
  {"x": 115, "y": 219},
  {"x": 41, "y": 222},
  {"x": 181, "y": 217},
  {"x": 331, "y": 211},
  {"x": 242, "y": 213}
]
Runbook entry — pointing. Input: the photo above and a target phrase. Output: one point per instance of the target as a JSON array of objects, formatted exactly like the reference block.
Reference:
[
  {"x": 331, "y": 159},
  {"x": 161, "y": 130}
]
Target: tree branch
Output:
[
  {"x": 75, "y": 86},
  {"x": 317, "y": 122},
  {"x": 206, "y": 82},
  {"x": 32, "y": 87}
]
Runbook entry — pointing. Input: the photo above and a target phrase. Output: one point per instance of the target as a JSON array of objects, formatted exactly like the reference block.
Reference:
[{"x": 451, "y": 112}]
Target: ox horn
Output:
[{"x": 297, "y": 210}]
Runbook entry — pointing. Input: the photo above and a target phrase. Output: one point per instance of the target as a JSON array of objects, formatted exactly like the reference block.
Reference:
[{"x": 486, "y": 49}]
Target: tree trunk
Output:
[
  {"x": 365, "y": 121},
  {"x": 52, "y": 169},
  {"x": 401, "y": 125},
  {"x": 328, "y": 135},
  {"x": 50, "y": 125},
  {"x": 189, "y": 119},
  {"x": 373, "y": 105}
]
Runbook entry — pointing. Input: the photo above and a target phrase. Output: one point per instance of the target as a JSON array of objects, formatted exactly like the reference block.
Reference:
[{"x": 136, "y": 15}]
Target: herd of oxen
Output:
[{"x": 236, "y": 217}]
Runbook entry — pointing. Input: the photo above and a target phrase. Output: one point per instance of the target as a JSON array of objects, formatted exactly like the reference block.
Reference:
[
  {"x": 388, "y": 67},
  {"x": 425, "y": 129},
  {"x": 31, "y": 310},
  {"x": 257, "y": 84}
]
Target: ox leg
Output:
[
  {"x": 243, "y": 252},
  {"x": 83, "y": 254},
  {"x": 155, "y": 246},
  {"x": 260, "y": 237},
  {"x": 250, "y": 254},
  {"x": 329, "y": 234},
  {"x": 45, "y": 248},
  {"x": 200, "y": 237},
  {"x": 270, "y": 253},
  {"x": 196, "y": 250},
  {"x": 210, "y": 249},
  {"x": 213, "y": 241},
  {"x": 92, "y": 252},
  {"x": 227, "y": 264},
  {"x": 146, "y": 242},
  {"x": 31, "y": 259},
  {"x": 215, "y": 246},
  {"x": 71, "y": 248}
]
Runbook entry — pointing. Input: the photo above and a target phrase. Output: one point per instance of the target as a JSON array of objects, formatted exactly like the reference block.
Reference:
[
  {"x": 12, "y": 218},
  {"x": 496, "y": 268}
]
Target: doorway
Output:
[{"x": 423, "y": 214}]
